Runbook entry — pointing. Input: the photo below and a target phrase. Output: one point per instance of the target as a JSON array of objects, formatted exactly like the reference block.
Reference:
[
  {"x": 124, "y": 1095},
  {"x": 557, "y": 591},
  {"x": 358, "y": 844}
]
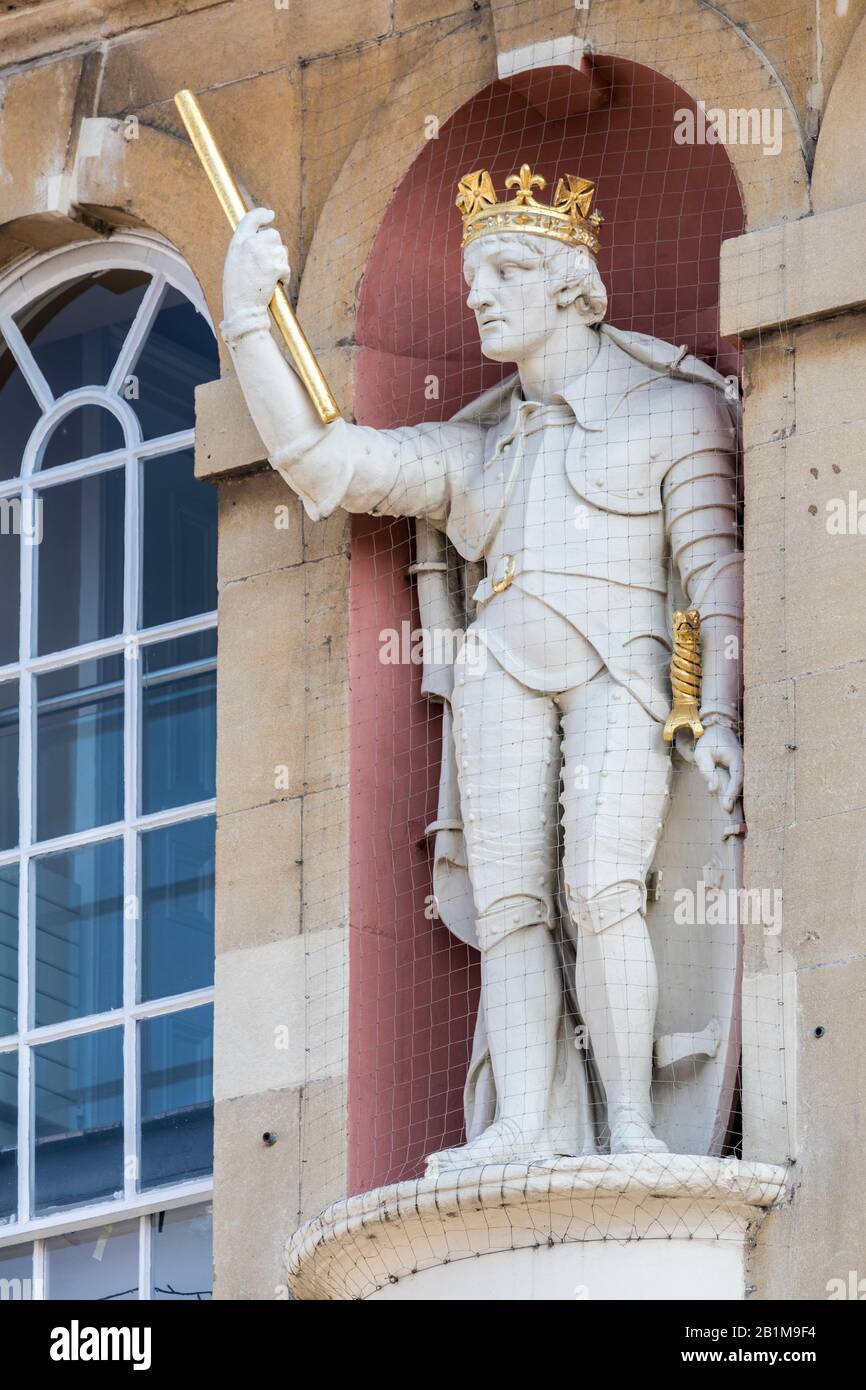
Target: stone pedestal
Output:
[{"x": 664, "y": 1226}]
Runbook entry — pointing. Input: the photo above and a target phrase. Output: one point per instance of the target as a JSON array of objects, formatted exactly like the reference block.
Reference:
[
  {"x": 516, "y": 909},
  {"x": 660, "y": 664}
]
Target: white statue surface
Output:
[{"x": 596, "y": 486}]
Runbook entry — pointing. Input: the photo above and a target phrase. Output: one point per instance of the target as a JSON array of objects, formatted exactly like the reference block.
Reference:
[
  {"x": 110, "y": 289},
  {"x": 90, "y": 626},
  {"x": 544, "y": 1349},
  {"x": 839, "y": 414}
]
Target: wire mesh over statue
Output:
[{"x": 545, "y": 634}]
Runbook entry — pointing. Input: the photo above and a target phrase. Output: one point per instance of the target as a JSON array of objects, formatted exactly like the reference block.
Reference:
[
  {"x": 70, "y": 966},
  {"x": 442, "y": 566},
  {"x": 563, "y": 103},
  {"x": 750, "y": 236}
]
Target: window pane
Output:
[
  {"x": 8, "y": 1135},
  {"x": 177, "y": 873},
  {"x": 179, "y": 354},
  {"x": 8, "y": 949},
  {"x": 19, "y": 412},
  {"x": 79, "y": 780},
  {"x": 76, "y": 332},
  {"x": 179, "y": 721},
  {"x": 100, "y": 1263},
  {"x": 78, "y": 1119},
  {"x": 182, "y": 1254},
  {"x": 87, "y": 431},
  {"x": 176, "y": 1089},
  {"x": 79, "y": 932},
  {"x": 8, "y": 764},
  {"x": 16, "y": 1272},
  {"x": 81, "y": 562},
  {"x": 10, "y": 578},
  {"x": 179, "y": 541}
]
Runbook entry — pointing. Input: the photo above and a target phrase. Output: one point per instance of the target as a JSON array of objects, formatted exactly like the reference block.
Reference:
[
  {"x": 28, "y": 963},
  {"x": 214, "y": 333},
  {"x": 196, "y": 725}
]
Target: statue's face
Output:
[{"x": 511, "y": 295}]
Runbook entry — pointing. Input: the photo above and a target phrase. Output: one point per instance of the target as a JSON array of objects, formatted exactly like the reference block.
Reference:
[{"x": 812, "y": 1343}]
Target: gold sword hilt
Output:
[
  {"x": 685, "y": 676},
  {"x": 234, "y": 207}
]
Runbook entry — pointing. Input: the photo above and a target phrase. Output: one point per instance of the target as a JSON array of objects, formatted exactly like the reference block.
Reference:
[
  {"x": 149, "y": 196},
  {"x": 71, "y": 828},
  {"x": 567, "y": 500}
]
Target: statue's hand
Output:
[
  {"x": 256, "y": 262},
  {"x": 719, "y": 756}
]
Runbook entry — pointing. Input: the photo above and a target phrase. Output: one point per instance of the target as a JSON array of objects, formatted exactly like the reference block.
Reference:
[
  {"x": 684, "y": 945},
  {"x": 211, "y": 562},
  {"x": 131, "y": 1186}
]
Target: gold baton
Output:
[{"x": 235, "y": 208}]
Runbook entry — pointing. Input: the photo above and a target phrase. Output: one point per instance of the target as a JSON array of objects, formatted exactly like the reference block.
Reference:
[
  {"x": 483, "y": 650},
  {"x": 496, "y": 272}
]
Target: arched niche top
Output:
[
  {"x": 839, "y": 172},
  {"x": 703, "y": 53},
  {"x": 667, "y": 205}
]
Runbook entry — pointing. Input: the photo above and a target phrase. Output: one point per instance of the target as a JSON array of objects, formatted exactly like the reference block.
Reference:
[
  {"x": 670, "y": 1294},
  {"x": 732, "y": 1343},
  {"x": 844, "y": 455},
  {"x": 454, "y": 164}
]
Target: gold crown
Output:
[{"x": 567, "y": 218}]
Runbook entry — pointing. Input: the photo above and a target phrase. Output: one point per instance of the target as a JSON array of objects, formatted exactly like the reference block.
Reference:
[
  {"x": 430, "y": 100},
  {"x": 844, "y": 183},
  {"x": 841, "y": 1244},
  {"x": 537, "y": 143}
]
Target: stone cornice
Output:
[{"x": 794, "y": 272}]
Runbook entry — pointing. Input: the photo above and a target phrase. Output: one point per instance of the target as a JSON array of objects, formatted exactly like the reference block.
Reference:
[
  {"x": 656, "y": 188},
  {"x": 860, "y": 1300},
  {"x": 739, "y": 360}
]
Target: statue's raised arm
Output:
[{"x": 408, "y": 472}]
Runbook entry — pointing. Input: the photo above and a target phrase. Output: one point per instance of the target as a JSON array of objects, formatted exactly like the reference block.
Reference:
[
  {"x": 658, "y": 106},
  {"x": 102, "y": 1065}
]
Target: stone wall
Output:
[{"x": 322, "y": 109}]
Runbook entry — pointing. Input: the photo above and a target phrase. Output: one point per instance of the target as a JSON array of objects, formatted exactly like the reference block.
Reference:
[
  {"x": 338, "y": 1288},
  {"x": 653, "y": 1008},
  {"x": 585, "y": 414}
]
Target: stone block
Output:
[
  {"x": 326, "y": 859},
  {"x": 259, "y": 526},
  {"x": 782, "y": 275},
  {"x": 769, "y": 718},
  {"x": 225, "y": 43},
  {"x": 324, "y": 1146},
  {"x": 326, "y": 706},
  {"x": 258, "y": 874},
  {"x": 831, "y": 373},
  {"x": 831, "y": 717},
  {"x": 260, "y": 692},
  {"x": 768, "y": 390},
  {"x": 819, "y": 1237},
  {"x": 824, "y": 484},
  {"x": 226, "y": 440},
  {"x": 256, "y": 1193},
  {"x": 764, "y": 643},
  {"x": 261, "y": 1017}
]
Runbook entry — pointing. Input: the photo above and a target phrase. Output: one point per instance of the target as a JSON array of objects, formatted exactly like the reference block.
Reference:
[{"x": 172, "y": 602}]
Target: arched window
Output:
[{"x": 107, "y": 740}]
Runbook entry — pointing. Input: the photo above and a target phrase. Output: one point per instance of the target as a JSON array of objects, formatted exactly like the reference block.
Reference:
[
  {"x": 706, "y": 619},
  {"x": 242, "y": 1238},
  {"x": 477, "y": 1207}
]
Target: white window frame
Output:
[{"x": 19, "y": 287}]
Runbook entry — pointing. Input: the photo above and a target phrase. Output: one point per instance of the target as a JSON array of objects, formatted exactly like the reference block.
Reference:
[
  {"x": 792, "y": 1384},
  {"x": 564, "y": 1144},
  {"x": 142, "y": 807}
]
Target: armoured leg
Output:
[
  {"x": 616, "y": 775},
  {"x": 508, "y": 766}
]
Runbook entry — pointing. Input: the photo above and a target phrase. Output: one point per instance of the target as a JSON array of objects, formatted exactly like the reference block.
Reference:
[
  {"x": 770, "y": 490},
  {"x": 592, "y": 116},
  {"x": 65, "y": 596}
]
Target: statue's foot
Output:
[
  {"x": 631, "y": 1133},
  {"x": 506, "y": 1141}
]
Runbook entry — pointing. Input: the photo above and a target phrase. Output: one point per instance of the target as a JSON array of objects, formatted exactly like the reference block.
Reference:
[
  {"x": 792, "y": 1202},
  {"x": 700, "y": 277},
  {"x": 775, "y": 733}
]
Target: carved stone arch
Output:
[
  {"x": 702, "y": 50},
  {"x": 839, "y": 174},
  {"x": 444, "y": 78},
  {"x": 698, "y": 48},
  {"x": 106, "y": 183},
  {"x": 154, "y": 182}
]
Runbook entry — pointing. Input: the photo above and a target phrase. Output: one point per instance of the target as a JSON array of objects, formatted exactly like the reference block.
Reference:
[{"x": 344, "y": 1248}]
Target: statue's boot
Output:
[
  {"x": 631, "y": 1132},
  {"x": 617, "y": 990},
  {"x": 505, "y": 1141}
]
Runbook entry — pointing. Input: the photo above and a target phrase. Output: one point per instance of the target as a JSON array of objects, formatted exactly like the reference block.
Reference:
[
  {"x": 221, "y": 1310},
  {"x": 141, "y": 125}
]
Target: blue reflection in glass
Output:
[
  {"x": 177, "y": 871},
  {"x": 76, "y": 332},
  {"x": 179, "y": 538},
  {"x": 100, "y": 1263},
  {"x": 8, "y": 764},
  {"x": 10, "y": 588},
  {"x": 180, "y": 353},
  {"x": 79, "y": 780},
  {"x": 8, "y": 1135},
  {"x": 16, "y": 1268},
  {"x": 8, "y": 949},
  {"x": 19, "y": 411},
  {"x": 78, "y": 1119},
  {"x": 81, "y": 562},
  {"x": 87, "y": 431},
  {"x": 79, "y": 932},
  {"x": 179, "y": 721},
  {"x": 176, "y": 1096},
  {"x": 182, "y": 1248}
]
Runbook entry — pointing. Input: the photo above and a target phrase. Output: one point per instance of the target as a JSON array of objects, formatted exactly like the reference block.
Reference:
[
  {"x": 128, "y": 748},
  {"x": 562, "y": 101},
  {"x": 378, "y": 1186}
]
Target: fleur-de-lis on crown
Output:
[
  {"x": 474, "y": 192},
  {"x": 574, "y": 194},
  {"x": 524, "y": 182}
]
